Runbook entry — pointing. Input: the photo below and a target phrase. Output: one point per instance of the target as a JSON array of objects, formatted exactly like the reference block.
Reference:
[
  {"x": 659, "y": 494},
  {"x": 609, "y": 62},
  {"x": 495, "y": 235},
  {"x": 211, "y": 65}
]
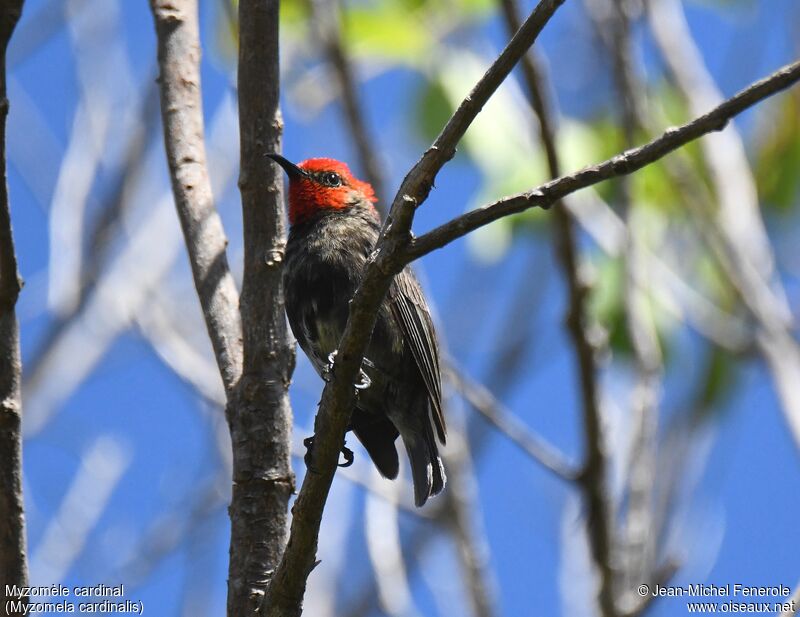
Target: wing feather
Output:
[{"x": 411, "y": 312}]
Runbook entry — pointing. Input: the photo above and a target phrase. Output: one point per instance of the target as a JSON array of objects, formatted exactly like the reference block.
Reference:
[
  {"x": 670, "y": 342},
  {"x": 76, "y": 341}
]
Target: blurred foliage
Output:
[
  {"x": 406, "y": 31},
  {"x": 778, "y": 154},
  {"x": 390, "y": 31},
  {"x": 607, "y": 307},
  {"x": 433, "y": 108},
  {"x": 717, "y": 384},
  {"x": 606, "y": 303}
]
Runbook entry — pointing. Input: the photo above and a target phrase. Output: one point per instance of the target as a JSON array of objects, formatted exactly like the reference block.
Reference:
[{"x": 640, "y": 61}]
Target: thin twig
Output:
[
  {"x": 594, "y": 480},
  {"x": 13, "y": 561},
  {"x": 493, "y": 410},
  {"x": 288, "y": 584},
  {"x": 463, "y": 514},
  {"x": 737, "y": 234},
  {"x": 637, "y": 537},
  {"x": 624, "y": 163}
]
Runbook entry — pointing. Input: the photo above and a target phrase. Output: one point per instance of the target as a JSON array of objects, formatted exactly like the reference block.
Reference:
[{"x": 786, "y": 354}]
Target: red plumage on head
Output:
[{"x": 310, "y": 194}]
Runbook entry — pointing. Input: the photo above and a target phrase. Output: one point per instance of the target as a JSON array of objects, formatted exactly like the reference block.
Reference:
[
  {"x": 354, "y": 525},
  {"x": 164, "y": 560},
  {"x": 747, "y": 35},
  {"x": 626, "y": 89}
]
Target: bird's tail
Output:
[{"x": 427, "y": 470}]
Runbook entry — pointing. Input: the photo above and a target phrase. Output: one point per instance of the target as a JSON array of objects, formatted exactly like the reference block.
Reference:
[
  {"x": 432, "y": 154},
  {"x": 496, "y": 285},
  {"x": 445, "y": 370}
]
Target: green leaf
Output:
[
  {"x": 388, "y": 31},
  {"x": 433, "y": 110},
  {"x": 778, "y": 158},
  {"x": 606, "y": 303}
]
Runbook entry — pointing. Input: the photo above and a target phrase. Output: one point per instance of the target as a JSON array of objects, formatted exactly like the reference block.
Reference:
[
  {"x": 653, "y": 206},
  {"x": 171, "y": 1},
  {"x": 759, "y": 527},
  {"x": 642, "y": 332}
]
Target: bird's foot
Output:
[
  {"x": 308, "y": 442},
  {"x": 363, "y": 382},
  {"x": 327, "y": 370},
  {"x": 348, "y": 455}
]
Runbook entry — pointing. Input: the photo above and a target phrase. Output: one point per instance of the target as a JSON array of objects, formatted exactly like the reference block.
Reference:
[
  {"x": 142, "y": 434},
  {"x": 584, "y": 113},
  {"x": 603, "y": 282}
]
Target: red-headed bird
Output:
[{"x": 333, "y": 230}]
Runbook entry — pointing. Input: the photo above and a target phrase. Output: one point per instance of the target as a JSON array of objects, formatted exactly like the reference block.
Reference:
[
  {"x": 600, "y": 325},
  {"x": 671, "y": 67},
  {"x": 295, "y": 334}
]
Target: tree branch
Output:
[
  {"x": 636, "y": 539},
  {"x": 261, "y": 417},
  {"x": 288, "y": 584},
  {"x": 490, "y": 408},
  {"x": 254, "y": 355},
  {"x": 13, "y": 561},
  {"x": 325, "y": 18},
  {"x": 463, "y": 513},
  {"x": 593, "y": 476},
  {"x": 624, "y": 163},
  {"x": 182, "y": 114},
  {"x": 737, "y": 233}
]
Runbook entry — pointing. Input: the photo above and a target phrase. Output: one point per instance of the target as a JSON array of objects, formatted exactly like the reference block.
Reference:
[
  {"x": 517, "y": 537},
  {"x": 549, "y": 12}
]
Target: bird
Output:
[{"x": 333, "y": 229}]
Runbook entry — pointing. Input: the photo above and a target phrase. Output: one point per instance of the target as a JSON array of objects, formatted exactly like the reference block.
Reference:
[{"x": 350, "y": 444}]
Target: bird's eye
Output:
[{"x": 330, "y": 178}]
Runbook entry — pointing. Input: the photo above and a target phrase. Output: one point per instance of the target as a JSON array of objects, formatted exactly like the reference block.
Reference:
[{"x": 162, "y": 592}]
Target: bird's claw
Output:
[
  {"x": 308, "y": 442},
  {"x": 363, "y": 382},
  {"x": 327, "y": 370},
  {"x": 349, "y": 457}
]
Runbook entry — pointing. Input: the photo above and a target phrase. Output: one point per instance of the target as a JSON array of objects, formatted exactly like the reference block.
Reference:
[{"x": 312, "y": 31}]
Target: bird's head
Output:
[{"x": 318, "y": 185}]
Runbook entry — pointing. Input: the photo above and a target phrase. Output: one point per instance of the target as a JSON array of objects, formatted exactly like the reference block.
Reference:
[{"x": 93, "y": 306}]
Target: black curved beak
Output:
[{"x": 290, "y": 168}]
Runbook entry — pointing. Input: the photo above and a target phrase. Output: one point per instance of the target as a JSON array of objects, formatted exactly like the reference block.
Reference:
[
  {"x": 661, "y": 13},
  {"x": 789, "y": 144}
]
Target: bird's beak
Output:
[{"x": 290, "y": 168}]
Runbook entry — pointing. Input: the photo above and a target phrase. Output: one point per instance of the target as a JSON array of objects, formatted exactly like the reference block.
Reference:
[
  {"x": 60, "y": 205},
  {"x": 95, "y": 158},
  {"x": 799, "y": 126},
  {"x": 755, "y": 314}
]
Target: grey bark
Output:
[
  {"x": 13, "y": 560},
  {"x": 261, "y": 418},
  {"x": 254, "y": 352}
]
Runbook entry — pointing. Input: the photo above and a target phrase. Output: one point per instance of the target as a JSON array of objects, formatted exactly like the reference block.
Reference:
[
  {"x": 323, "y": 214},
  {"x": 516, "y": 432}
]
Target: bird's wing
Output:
[{"x": 411, "y": 312}]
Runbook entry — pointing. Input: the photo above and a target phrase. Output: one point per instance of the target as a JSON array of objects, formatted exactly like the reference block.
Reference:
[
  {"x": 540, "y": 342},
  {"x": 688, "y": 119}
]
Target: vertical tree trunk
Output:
[
  {"x": 260, "y": 418},
  {"x": 13, "y": 566}
]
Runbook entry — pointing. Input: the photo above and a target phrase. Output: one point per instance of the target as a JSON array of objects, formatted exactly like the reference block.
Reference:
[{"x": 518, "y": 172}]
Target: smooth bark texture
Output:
[
  {"x": 260, "y": 418},
  {"x": 182, "y": 115},
  {"x": 13, "y": 561}
]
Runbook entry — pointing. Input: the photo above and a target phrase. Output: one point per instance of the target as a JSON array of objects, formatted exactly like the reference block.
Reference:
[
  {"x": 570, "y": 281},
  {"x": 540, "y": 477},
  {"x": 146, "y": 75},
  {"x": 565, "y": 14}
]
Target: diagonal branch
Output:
[
  {"x": 737, "y": 233},
  {"x": 622, "y": 164},
  {"x": 288, "y": 584},
  {"x": 13, "y": 562},
  {"x": 479, "y": 397}
]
